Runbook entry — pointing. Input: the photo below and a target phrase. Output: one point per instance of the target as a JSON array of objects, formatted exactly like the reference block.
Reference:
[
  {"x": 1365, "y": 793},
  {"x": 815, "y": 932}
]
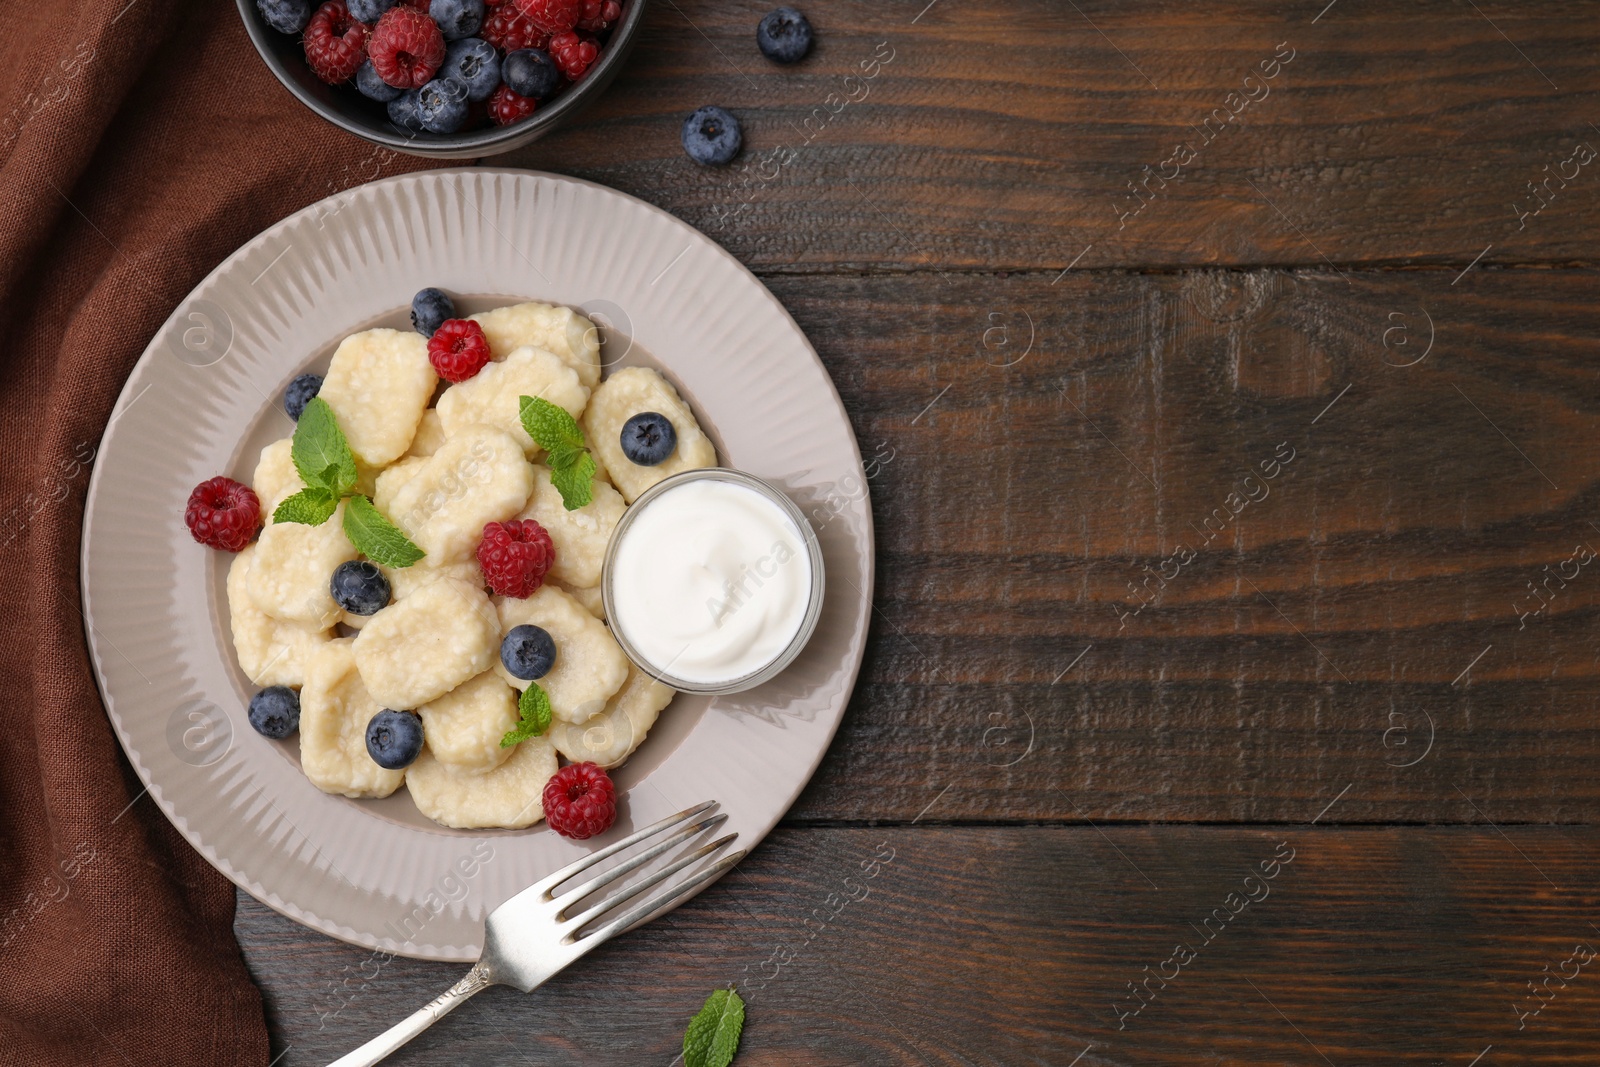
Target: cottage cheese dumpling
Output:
[
  {"x": 270, "y": 651},
  {"x": 551, "y": 327},
  {"x": 477, "y": 477},
  {"x": 275, "y": 479},
  {"x": 509, "y": 796},
  {"x": 335, "y": 709},
  {"x": 293, "y": 564},
  {"x": 619, "y": 398},
  {"x": 611, "y": 736},
  {"x": 580, "y": 536},
  {"x": 492, "y": 397},
  {"x": 589, "y": 596},
  {"x": 403, "y": 581},
  {"x": 463, "y": 728},
  {"x": 590, "y": 666},
  {"x": 418, "y": 649},
  {"x": 429, "y": 435},
  {"x": 378, "y": 384},
  {"x": 393, "y": 478}
]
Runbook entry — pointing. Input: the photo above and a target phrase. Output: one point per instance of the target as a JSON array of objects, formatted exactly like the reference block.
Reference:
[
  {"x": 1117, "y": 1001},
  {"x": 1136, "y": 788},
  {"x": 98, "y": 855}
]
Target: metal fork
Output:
[{"x": 536, "y": 934}]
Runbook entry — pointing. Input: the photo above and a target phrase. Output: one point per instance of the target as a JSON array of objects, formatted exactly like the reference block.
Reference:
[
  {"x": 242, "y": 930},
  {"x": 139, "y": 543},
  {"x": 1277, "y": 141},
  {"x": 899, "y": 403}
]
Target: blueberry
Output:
[
  {"x": 359, "y": 587},
  {"x": 373, "y": 87},
  {"x": 442, "y": 105},
  {"x": 394, "y": 738},
  {"x": 403, "y": 111},
  {"x": 457, "y": 18},
  {"x": 275, "y": 712},
  {"x": 528, "y": 652},
  {"x": 648, "y": 438},
  {"x": 368, "y": 11},
  {"x": 285, "y": 16},
  {"x": 299, "y": 394},
  {"x": 429, "y": 309},
  {"x": 531, "y": 72},
  {"x": 711, "y": 136},
  {"x": 784, "y": 36},
  {"x": 473, "y": 62}
]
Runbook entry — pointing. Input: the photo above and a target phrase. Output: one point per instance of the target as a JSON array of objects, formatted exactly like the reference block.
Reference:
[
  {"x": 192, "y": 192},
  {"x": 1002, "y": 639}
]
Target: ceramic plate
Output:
[{"x": 204, "y": 399}]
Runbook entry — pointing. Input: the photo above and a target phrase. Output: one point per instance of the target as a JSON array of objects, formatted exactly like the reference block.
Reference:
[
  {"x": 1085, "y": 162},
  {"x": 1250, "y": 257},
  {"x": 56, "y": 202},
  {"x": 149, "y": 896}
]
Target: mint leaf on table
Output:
[
  {"x": 572, "y": 468},
  {"x": 713, "y": 1035},
  {"x": 534, "y": 707},
  {"x": 311, "y": 506},
  {"x": 320, "y": 452},
  {"x": 375, "y": 536}
]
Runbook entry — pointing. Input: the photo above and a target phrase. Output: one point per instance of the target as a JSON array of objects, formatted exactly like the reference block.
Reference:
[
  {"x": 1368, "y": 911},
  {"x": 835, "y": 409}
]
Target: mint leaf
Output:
[
  {"x": 551, "y": 428},
  {"x": 375, "y": 536},
  {"x": 534, "y": 707},
  {"x": 311, "y": 506},
  {"x": 572, "y": 468},
  {"x": 575, "y": 480},
  {"x": 320, "y": 452},
  {"x": 713, "y": 1035}
]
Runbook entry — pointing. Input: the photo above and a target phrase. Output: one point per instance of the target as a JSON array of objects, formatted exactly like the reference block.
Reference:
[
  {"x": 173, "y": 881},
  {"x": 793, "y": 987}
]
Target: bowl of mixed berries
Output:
[{"x": 453, "y": 79}]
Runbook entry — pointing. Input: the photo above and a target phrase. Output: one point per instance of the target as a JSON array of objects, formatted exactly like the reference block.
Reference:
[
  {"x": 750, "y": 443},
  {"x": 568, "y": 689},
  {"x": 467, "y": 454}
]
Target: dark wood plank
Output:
[
  {"x": 1017, "y": 946},
  {"x": 1006, "y": 135},
  {"x": 1024, "y": 512}
]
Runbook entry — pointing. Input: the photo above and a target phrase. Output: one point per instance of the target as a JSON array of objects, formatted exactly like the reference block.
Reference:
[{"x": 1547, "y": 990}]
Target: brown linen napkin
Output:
[{"x": 141, "y": 141}]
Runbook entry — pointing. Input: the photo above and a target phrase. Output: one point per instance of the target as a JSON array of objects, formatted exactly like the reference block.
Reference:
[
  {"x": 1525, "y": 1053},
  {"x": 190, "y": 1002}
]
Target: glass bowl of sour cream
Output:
[{"x": 713, "y": 581}]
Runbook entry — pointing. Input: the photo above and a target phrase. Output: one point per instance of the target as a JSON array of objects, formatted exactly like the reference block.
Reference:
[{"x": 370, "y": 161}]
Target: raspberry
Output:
[
  {"x": 599, "y": 15},
  {"x": 458, "y": 349},
  {"x": 552, "y": 16},
  {"x": 335, "y": 43},
  {"x": 507, "y": 107},
  {"x": 580, "y": 801},
  {"x": 420, "y": 5},
  {"x": 508, "y": 30},
  {"x": 407, "y": 48},
  {"x": 223, "y": 513},
  {"x": 574, "y": 54},
  {"x": 515, "y": 556}
]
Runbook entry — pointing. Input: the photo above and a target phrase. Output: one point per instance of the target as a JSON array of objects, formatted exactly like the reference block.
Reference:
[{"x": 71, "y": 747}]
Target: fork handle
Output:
[{"x": 476, "y": 981}]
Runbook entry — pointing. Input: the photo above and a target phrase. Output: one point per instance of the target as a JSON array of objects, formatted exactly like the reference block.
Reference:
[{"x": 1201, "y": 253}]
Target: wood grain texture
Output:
[
  {"x": 1016, "y": 946},
  {"x": 1322, "y": 630},
  {"x": 1007, "y": 135}
]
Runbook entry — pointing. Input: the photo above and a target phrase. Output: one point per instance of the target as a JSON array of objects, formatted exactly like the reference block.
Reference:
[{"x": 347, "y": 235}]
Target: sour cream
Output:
[{"x": 709, "y": 581}]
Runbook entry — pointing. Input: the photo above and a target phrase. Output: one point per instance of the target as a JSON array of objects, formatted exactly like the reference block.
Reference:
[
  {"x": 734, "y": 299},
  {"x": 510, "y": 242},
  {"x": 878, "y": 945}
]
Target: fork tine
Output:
[
  {"x": 544, "y": 885},
  {"x": 632, "y": 891},
  {"x": 571, "y": 898},
  {"x": 673, "y": 895}
]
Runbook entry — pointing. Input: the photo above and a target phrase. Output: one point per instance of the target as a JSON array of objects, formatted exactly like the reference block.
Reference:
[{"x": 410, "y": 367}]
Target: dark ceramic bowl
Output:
[{"x": 348, "y": 109}]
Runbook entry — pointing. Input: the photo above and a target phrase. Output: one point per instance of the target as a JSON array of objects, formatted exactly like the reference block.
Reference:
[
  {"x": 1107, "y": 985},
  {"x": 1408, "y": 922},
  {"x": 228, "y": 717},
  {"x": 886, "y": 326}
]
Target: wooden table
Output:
[{"x": 1231, "y": 402}]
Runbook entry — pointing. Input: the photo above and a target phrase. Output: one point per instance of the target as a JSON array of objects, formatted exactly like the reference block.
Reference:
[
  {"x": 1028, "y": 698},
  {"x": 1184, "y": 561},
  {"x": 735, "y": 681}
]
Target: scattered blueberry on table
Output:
[
  {"x": 784, "y": 35},
  {"x": 711, "y": 136}
]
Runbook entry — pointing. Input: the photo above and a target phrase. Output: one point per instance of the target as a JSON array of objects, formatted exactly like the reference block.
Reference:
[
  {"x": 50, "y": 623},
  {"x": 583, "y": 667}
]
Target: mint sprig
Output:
[
  {"x": 713, "y": 1034},
  {"x": 534, "y": 707},
  {"x": 320, "y": 452},
  {"x": 572, "y": 468},
  {"x": 324, "y": 461}
]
